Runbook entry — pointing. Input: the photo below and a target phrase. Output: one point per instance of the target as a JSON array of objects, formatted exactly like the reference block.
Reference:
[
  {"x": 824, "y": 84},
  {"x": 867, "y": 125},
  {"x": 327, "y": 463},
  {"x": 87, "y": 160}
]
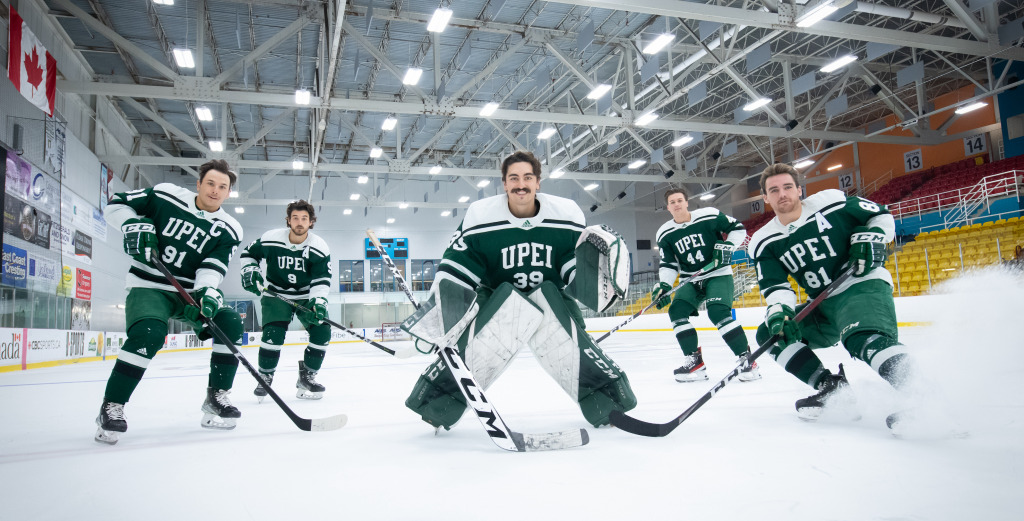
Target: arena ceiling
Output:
[{"x": 538, "y": 61}]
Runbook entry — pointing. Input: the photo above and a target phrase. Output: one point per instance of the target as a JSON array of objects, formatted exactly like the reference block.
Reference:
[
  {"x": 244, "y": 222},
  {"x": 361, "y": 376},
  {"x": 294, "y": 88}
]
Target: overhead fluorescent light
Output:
[
  {"x": 363, "y": 179},
  {"x": 834, "y": 167},
  {"x": 756, "y": 104},
  {"x": 412, "y": 76},
  {"x": 239, "y": 209},
  {"x": 347, "y": 211},
  {"x": 436, "y": 169},
  {"x": 302, "y": 97},
  {"x": 446, "y": 213},
  {"x": 803, "y": 164},
  {"x": 816, "y": 14},
  {"x": 707, "y": 197},
  {"x": 403, "y": 205},
  {"x": 637, "y": 164},
  {"x": 389, "y": 123},
  {"x": 599, "y": 90},
  {"x": 483, "y": 183},
  {"x": 557, "y": 173},
  {"x": 489, "y": 109},
  {"x": 376, "y": 152},
  {"x": 298, "y": 164},
  {"x": 682, "y": 140},
  {"x": 233, "y": 194},
  {"x": 659, "y": 43},
  {"x": 183, "y": 57},
  {"x": 204, "y": 113},
  {"x": 163, "y": 2},
  {"x": 546, "y": 133},
  {"x": 439, "y": 20},
  {"x": 464, "y": 199},
  {"x": 972, "y": 107},
  {"x": 353, "y": 197},
  {"x": 591, "y": 186},
  {"x": 839, "y": 62},
  {"x": 391, "y": 220},
  {"x": 216, "y": 146},
  {"x": 646, "y": 118}
]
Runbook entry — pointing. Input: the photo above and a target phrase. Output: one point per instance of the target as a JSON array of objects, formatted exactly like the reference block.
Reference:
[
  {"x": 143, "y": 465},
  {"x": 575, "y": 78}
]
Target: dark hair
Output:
[
  {"x": 221, "y": 166},
  {"x": 677, "y": 190},
  {"x": 779, "y": 169},
  {"x": 520, "y": 156},
  {"x": 302, "y": 206}
]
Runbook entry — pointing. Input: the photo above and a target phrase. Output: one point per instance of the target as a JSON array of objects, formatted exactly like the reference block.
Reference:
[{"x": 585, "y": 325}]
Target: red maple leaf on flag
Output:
[{"x": 33, "y": 72}]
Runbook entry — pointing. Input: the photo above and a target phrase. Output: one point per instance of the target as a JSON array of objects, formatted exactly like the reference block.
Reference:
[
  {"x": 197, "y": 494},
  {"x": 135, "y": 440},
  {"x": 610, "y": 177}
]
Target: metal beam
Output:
[
  {"x": 156, "y": 118},
  {"x": 267, "y": 128},
  {"x": 380, "y": 57},
  {"x": 265, "y": 47},
  {"x": 965, "y": 16}
]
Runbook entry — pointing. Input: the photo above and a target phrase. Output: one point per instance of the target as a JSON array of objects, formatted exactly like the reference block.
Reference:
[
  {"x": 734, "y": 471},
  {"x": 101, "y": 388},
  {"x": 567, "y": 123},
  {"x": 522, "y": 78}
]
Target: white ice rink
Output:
[{"x": 743, "y": 456}]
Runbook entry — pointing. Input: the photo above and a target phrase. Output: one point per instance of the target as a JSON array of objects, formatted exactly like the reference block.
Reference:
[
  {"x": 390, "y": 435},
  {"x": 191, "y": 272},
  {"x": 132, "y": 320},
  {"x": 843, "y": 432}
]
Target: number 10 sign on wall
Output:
[{"x": 912, "y": 160}]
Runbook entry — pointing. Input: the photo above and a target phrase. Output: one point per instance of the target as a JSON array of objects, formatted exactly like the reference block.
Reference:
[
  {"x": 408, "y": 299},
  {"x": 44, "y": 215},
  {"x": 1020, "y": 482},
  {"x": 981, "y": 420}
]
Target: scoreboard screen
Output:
[{"x": 396, "y": 248}]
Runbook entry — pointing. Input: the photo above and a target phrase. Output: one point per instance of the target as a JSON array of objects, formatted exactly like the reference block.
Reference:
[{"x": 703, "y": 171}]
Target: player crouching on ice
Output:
[
  {"x": 195, "y": 238},
  {"x": 507, "y": 280}
]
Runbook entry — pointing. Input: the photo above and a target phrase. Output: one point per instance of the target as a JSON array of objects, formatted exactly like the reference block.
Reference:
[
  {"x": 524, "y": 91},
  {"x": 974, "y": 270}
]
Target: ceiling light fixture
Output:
[
  {"x": 233, "y": 194},
  {"x": 546, "y": 133},
  {"x": 439, "y": 20},
  {"x": 816, "y": 14},
  {"x": 183, "y": 57},
  {"x": 389, "y": 123},
  {"x": 298, "y": 164},
  {"x": 302, "y": 97},
  {"x": 163, "y": 2},
  {"x": 591, "y": 186},
  {"x": 835, "y": 167},
  {"x": 637, "y": 164},
  {"x": 436, "y": 169},
  {"x": 599, "y": 91},
  {"x": 446, "y": 213},
  {"x": 464, "y": 199},
  {"x": 403, "y": 205},
  {"x": 557, "y": 173},
  {"x": 412, "y": 76},
  {"x": 363, "y": 179},
  {"x": 756, "y": 104},
  {"x": 682, "y": 140},
  {"x": 376, "y": 152},
  {"x": 204, "y": 113},
  {"x": 489, "y": 109},
  {"x": 353, "y": 197},
  {"x": 216, "y": 146},
  {"x": 646, "y": 119},
  {"x": 391, "y": 220},
  {"x": 239, "y": 209},
  {"x": 659, "y": 43},
  {"x": 803, "y": 164},
  {"x": 347, "y": 211},
  {"x": 839, "y": 62},
  {"x": 707, "y": 197},
  {"x": 483, "y": 183},
  {"x": 971, "y": 107}
]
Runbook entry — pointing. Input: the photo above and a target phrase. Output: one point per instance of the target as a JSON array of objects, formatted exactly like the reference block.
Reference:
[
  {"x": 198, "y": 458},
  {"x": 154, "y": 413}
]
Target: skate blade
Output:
[
  {"x": 308, "y": 395},
  {"x": 107, "y": 437},
  {"x": 212, "y": 421},
  {"x": 692, "y": 377}
]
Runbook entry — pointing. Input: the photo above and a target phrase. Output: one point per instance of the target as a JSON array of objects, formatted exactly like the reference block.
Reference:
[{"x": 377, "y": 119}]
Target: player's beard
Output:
[{"x": 298, "y": 233}]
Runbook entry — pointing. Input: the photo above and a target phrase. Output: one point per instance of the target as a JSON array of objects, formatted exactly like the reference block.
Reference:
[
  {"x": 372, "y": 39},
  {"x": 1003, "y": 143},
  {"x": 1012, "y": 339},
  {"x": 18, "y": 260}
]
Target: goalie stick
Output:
[
  {"x": 499, "y": 432},
  {"x": 322, "y": 424},
  {"x": 657, "y": 430},
  {"x": 405, "y": 353},
  {"x": 648, "y": 306}
]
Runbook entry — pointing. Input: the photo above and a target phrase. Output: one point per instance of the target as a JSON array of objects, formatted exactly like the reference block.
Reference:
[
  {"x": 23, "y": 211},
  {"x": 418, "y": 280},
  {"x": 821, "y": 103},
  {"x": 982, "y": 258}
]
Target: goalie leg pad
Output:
[
  {"x": 602, "y": 268},
  {"x": 443, "y": 317},
  {"x": 505, "y": 323},
  {"x": 567, "y": 353}
]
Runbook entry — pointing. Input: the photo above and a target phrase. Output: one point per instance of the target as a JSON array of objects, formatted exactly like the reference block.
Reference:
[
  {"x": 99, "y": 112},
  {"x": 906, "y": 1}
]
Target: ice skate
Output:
[
  {"x": 218, "y": 413},
  {"x": 693, "y": 369},
  {"x": 260, "y": 392},
  {"x": 306, "y": 387},
  {"x": 110, "y": 422},
  {"x": 833, "y": 391},
  {"x": 749, "y": 373}
]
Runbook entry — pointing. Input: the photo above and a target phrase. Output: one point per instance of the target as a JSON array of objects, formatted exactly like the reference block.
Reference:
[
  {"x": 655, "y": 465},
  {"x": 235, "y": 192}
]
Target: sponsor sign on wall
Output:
[
  {"x": 186, "y": 341},
  {"x": 66, "y": 284},
  {"x": 113, "y": 341},
  {"x": 83, "y": 284},
  {"x": 45, "y": 345},
  {"x": 43, "y": 274},
  {"x": 15, "y": 267},
  {"x": 11, "y": 342}
]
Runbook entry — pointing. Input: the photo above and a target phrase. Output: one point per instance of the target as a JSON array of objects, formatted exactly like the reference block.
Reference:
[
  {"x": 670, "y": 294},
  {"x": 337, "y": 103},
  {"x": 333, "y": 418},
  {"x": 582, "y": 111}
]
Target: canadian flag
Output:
[{"x": 30, "y": 67}]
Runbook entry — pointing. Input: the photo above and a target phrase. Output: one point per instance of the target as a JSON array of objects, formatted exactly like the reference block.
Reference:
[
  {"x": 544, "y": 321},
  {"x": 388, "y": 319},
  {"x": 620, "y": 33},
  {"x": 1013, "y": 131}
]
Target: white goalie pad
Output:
[
  {"x": 443, "y": 317},
  {"x": 602, "y": 268},
  {"x": 504, "y": 325},
  {"x": 557, "y": 349}
]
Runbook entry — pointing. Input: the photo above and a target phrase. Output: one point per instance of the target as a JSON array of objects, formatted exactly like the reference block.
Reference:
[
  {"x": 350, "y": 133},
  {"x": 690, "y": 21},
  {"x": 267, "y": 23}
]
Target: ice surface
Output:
[{"x": 744, "y": 455}]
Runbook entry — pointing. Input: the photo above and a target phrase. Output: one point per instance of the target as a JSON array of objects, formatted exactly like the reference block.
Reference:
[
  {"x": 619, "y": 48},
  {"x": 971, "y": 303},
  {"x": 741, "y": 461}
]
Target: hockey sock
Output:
[
  {"x": 679, "y": 312},
  {"x": 797, "y": 359},
  {"x": 731, "y": 330},
  {"x": 270, "y": 345},
  {"x": 314, "y": 357},
  {"x": 319, "y": 338},
  {"x": 885, "y": 355},
  {"x": 145, "y": 338},
  {"x": 223, "y": 363}
]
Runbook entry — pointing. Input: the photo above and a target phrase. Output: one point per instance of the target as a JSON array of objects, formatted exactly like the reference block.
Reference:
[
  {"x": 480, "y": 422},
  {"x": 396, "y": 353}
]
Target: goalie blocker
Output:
[{"x": 490, "y": 327}]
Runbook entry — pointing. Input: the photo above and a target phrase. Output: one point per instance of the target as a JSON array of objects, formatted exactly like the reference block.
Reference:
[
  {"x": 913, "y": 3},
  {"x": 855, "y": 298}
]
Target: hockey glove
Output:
[
  {"x": 722, "y": 256},
  {"x": 780, "y": 320},
  {"x": 661, "y": 295},
  {"x": 252, "y": 279},
  {"x": 139, "y": 238},
  {"x": 209, "y": 300},
  {"x": 318, "y": 306},
  {"x": 867, "y": 250}
]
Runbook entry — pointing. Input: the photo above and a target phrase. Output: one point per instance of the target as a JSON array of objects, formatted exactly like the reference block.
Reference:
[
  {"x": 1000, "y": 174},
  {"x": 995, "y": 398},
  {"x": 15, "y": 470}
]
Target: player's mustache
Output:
[{"x": 521, "y": 191}]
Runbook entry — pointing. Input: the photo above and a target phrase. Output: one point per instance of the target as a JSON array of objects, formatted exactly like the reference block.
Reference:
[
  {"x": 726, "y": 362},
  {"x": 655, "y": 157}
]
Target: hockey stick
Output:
[
  {"x": 397, "y": 354},
  {"x": 502, "y": 436},
  {"x": 648, "y": 306},
  {"x": 635, "y": 426},
  {"x": 322, "y": 424}
]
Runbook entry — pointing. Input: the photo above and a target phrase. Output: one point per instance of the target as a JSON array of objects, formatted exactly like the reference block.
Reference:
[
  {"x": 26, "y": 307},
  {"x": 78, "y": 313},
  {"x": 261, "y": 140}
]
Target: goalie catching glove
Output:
[
  {"x": 602, "y": 268},
  {"x": 867, "y": 250},
  {"x": 443, "y": 317}
]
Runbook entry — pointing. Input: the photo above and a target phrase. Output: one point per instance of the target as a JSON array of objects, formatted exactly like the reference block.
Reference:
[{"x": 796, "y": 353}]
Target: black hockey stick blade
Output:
[{"x": 323, "y": 424}]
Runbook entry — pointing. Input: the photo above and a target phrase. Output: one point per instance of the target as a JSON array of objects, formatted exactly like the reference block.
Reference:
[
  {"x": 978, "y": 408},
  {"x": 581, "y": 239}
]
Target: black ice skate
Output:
[
  {"x": 692, "y": 369},
  {"x": 749, "y": 373},
  {"x": 306, "y": 387},
  {"x": 260, "y": 392},
  {"x": 218, "y": 413},
  {"x": 829, "y": 388},
  {"x": 110, "y": 422}
]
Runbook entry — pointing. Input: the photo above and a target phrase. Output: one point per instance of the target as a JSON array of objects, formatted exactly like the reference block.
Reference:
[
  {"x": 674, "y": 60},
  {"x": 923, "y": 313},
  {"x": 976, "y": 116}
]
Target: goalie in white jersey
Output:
[{"x": 507, "y": 280}]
